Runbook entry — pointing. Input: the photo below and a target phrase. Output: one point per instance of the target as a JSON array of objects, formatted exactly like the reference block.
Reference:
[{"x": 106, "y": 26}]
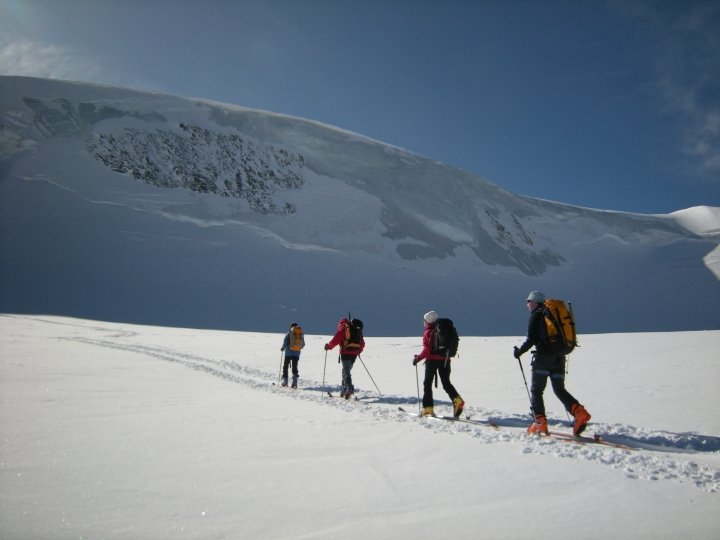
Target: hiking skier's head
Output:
[
  {"x": 430, "y": 317},
  {"x": 536, "y": 296}
]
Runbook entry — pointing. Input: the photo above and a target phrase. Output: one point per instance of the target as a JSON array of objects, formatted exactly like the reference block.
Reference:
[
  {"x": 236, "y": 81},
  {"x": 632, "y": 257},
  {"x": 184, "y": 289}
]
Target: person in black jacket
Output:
[{"x": 546, "y": 363}]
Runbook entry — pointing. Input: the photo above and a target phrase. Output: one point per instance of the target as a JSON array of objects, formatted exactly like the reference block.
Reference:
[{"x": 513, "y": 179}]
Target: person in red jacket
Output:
[
  {"x": 435, "y": 364},
  {"x": 350, "y": 338}
]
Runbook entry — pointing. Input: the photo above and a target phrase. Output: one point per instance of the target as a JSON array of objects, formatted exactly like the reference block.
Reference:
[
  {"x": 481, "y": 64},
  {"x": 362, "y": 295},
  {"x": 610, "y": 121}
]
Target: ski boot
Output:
[
  {"x": 284, "y": 381},
  {"x": 539, "y": 426},
  {"x": 427, "y": 411},
  {"x": 458, "y": 405},
  {"x": 582, "y": 417},
  {"x": 294, "y": 382}
]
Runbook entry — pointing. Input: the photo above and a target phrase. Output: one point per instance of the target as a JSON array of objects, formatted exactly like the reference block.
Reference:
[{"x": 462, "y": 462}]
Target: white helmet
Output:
[
  {"x": 430, "y": 317},
  {"x": 536, "y": 296}
]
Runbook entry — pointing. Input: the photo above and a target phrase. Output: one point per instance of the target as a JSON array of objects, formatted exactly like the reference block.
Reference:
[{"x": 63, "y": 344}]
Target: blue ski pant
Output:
[{"x": 546, "y": 366}]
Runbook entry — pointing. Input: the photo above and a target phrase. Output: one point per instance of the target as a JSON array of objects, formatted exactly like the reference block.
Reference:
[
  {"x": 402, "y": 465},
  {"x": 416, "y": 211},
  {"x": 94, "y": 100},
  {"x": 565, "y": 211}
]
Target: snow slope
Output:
[
  {"x": 141, "y": 207},
  {"x": 125, "y": 431}
]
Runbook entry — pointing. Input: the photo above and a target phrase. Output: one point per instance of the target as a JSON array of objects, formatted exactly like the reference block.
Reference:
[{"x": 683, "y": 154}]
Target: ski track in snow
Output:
[{"x": 658, "y": 455}]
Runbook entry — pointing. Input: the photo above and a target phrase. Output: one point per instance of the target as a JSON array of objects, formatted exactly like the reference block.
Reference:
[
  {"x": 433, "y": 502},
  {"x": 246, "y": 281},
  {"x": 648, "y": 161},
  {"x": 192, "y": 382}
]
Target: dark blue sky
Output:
[{"x": 606, "y": 104}]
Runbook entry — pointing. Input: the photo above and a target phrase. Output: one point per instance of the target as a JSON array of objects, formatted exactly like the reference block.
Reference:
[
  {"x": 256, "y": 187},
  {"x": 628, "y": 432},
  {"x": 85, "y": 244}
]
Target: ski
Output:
[
  {"x": 466, "y": 420},
  {"x": 355, "y": 398},
  {"x": 583, "y": 439},
  {"x": 417, "y": 414},
  {"x": 555, "y": 435},
  {"x": 453, "y": 419}
]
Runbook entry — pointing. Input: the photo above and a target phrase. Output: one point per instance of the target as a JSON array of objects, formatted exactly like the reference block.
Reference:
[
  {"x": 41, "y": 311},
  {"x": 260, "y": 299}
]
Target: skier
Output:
[
  {"x": 349, "y": 337},
  {"x": 292, "y": 345},
  {"x": 435, "y": 364},
  {"x": 547, "y": 363}
]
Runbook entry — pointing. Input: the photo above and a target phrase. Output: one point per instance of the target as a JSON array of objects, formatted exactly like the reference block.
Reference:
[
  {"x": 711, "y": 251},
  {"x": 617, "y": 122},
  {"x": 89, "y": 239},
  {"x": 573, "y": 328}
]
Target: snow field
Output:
[{"x": 124, "y": 431}]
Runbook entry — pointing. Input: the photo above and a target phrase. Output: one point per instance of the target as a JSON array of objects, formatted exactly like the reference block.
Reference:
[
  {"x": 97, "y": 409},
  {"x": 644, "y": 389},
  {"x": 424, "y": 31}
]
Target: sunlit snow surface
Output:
[{"x": 125, "y": 431}]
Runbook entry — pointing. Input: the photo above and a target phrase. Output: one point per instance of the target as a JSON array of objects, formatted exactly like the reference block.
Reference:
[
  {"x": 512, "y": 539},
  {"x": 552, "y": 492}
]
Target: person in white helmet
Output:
[
  {"x": 547, "y": 363},
  {"x": 435, "y": 363}
]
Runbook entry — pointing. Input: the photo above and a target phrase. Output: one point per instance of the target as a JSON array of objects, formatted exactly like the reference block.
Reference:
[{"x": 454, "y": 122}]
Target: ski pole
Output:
[
  {"x": 368, "y": 372},
  {"x": 417, "y": 383},
  {"x": 324, "y": 366},
  {"x": 281, "y": 363},
  {"x": 527, "y": 390}
]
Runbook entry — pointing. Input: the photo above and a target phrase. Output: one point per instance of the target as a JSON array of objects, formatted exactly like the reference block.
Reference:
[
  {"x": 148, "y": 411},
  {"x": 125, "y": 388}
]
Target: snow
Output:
[
  {"x": 702, "y": 220},
  {"x": 113, "y": 430}
]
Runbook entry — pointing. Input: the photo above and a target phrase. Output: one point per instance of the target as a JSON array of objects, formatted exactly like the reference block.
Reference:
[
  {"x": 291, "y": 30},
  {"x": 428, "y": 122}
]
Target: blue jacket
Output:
[{"x": 286, "y": 346}]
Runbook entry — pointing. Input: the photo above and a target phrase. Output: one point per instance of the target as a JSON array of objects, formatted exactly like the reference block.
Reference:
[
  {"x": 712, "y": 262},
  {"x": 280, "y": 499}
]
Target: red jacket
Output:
[
  {"x": 339, "y": 339},
  {"x": 428, "y": 342}
]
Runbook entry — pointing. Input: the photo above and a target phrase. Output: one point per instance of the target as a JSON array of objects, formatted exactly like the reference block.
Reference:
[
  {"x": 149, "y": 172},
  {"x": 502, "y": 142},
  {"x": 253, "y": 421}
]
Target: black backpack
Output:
[
  {"x": 446, "y": 338},
  {"x": 353, "y": 332}
]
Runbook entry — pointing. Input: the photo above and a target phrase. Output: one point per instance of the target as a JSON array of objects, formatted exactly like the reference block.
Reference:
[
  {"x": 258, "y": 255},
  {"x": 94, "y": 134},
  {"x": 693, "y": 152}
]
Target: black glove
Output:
[
  {"x": 415, "y": 360},
  {"x": 326, "y": 347},
  {"x": 516, "y": 353}
]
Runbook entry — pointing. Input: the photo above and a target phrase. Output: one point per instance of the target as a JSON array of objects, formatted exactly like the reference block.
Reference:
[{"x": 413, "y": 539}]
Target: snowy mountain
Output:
[{"x": 135, "y": 206}]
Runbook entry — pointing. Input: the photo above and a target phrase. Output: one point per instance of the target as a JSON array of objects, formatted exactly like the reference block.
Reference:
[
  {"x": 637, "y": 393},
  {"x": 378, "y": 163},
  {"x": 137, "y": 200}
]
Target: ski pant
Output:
[
  {"x": 546, "y": 366},
  {"x": 286, "y": 364},
  {"x": 431, "y": 368},
  {"x": 348, "y": 361}
]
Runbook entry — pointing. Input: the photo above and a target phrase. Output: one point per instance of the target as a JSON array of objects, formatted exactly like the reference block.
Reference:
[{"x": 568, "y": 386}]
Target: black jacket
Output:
[{"x": 537, "y": 333}]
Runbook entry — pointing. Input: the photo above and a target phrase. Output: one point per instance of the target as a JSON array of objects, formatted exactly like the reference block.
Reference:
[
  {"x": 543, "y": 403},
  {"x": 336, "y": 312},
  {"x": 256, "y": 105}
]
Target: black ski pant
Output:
[
  {"x": 348, "y": 361},
  {"x": 546, "y": 366},
  {"x": 290, "y": 360},
  {"x": 438, "y": 367}
]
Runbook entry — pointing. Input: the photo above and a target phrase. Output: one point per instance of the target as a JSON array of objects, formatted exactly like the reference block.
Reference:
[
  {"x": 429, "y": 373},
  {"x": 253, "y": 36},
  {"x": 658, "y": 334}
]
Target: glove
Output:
[
  {"x": 282, "y": 348},
  {"x": 415, "y": 360},
  {"x": 516, "y": 353},
  {"x": 326, "y": 347}
]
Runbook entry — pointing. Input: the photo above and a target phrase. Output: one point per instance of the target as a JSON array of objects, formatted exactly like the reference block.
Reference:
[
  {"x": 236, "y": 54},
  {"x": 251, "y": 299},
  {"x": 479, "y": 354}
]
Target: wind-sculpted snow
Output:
[
  {"x": 60, "y": 117},
  {"x": 657, "y": 455}
]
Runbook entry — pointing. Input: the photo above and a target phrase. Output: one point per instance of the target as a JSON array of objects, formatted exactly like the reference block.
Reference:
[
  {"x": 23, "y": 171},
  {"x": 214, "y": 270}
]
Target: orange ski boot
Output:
[
  {"x": 539, "y": 426},
  {"x": 582, "y": 417}
]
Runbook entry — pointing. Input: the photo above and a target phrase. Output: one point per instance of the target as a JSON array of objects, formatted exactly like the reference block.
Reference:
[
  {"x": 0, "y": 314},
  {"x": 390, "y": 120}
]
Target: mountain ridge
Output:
[{"x": 388, "y": 218}]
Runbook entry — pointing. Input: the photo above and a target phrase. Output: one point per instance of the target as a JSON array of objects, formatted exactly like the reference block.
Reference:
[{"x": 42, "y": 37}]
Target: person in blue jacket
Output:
[{"x": 292, "y": 345}]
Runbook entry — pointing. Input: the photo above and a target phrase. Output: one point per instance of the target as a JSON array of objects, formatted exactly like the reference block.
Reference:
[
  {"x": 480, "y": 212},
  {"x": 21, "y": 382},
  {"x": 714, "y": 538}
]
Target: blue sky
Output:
[{"x": 606, "y": 104}]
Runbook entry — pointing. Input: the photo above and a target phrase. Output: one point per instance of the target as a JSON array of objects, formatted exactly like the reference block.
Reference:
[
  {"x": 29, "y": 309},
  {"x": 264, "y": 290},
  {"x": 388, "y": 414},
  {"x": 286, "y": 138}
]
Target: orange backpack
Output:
[
  {"x": 295, "y": 342},
  {"x": 560, "y": 325}
]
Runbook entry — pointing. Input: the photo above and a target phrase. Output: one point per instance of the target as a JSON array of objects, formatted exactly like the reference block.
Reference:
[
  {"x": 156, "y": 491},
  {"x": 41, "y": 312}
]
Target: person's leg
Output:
[
  {"x": 537, "y": 387},
  {"x": 458, "y": 402},
  {"x": 431, "y": 367},
  {"x": 348, "y": 361},
  {"x": 444, "y": 373},
  {"x": 295, "y": 373},
  {"x": 558, "y": 385},
  {"x": 286, "y": 363}
]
